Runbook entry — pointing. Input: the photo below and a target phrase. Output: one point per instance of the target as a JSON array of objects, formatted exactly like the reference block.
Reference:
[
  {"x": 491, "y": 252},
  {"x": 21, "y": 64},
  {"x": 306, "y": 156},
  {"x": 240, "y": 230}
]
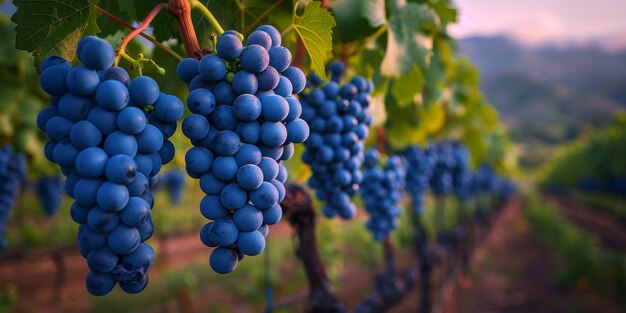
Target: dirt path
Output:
[{"x": 512, "y": 274}]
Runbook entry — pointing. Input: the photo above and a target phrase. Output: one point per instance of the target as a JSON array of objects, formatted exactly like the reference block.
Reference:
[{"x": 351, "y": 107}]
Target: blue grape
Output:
[
  {"x": 168, "y": 108},
  {"x": 149, "y": 140},
  {"x": 273, "y": 32},
  {"x": 187, "y": 69},
  {"x": 120, "y": 143},
  {"x": 115, "y": 73},
  {"x": 101, "y": 221},
  {"x": 195, "y": 126},
  {"x": 85, "y": 135},
  {"x": 247, "y": 107},
  {"x": 249, "y": 177},
  {"x": 144, "y": 91},
  {"x": 54, "y": 60},
  {"x": 245, "y": 83},
  {"x": 131, "y": 120},
  {"x": 95, "y": 53},
  {"x": 224, "y": 232},
  {"x": 260, "y": 38},
  {"x": 254, "y": 58},
  {"x": 99, "y": 284},
  {"x": 296, "y": 77},
  {"x": 123, "y": 240},
  {"x": 74, "y": 108},
  {"x": 112, "y": 95},
  {"x": 212, "y": 68},
  {"x": 251, "y": 243},
  {"x": 223, "y": 260},
  {"x": 211, "y": 207},
  {"x": 233, "y": 196},
  {"x": 284, "y": 87},
  {"x": 248, "y": 218},
  {"x": 136, "y": 212},
  {"x": 268, "y": 79},
  {"x": 104, "y": 120},
  {"x": 229, "y": 46},
  {"x": 52, "y": 80},
  {"x": 274, "y": 108},
  {"x": 112, "y": 197},
  {"x": 201, "y": 101},
  {"x": 248, "y": 154},
  {"x": 82, "y": 81}
]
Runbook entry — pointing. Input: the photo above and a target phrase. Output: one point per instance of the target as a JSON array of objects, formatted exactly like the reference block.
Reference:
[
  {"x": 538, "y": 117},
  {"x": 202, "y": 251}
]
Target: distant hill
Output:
[{"x": 548, "y": 96}]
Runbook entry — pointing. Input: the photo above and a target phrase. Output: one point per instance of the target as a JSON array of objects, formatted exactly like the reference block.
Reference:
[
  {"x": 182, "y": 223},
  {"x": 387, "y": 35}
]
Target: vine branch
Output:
[
  {"x": 197, "y": 5},
  {"x": 262, "y": 16},
  {"x": 118, "y": 20},
  {"x": 142, "y": 27}
]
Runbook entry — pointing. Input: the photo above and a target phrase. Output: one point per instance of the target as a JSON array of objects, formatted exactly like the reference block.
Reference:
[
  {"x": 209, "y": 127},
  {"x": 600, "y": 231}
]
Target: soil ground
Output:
[{"x": 511, "y": 273}]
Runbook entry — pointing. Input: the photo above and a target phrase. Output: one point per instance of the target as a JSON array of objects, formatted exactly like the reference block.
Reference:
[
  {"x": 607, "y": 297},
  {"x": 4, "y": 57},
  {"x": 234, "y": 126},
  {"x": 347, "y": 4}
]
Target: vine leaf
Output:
[
  {"x": 53, "y": 27},
  {"x": 358, "y": 19},
  {"x": 314, "y": 27},
  {"x": 407, "y": 39},
  {"x": 406, "y": 87}
]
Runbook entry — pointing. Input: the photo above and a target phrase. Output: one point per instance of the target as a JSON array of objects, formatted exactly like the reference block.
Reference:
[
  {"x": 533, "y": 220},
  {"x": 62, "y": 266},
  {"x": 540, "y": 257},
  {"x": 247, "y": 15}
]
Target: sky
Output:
[{"x": 537, "y": 22}]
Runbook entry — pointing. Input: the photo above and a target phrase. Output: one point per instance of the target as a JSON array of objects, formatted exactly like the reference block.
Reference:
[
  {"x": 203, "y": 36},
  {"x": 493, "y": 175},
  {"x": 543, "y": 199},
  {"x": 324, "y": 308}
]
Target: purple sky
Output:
[{"x": 540, "y": 21}]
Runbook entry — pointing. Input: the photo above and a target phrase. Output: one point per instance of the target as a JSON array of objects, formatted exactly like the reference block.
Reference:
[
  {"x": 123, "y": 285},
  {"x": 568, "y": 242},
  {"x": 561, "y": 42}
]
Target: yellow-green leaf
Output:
[{"x": 314, "y": 27}]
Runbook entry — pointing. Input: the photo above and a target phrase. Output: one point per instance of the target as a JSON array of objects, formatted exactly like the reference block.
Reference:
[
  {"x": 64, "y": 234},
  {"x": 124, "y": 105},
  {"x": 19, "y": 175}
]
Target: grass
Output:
[
  {"x": 577, "y": 255},
  {"x": 609, "y": 203}
]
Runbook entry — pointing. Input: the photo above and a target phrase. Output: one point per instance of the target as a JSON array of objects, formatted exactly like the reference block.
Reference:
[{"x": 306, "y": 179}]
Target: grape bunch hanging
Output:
[
  {"x": 382, "y": 190},
  {"x": 244, "y": 123},
  {"x": 108, "y": 147},
  {"x": 50, "y": 191},
  {"x": 420, "y": 164},
  {"x": 339, "y": 119},
  {"x": 12, "y": 174}
]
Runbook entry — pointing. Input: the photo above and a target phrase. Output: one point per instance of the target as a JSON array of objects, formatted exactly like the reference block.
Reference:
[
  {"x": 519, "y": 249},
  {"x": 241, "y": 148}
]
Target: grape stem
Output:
[
  {"x": 142, "y": 27},
  {"x": 116, "y": 19},
  {"x": 197, "y": 5}
]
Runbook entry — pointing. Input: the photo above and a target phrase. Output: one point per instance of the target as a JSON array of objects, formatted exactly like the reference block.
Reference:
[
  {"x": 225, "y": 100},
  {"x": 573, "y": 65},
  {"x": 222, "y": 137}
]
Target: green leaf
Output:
[
  {"x": 357, "y": 19},
  {"x": 53, "y": 27},
  {"x": 406, "y": 87},
  {"x": 314, "y": 27},
  {"x": 127, "y": 7},
  {"x": 406, "y": 42},
  {"x": 446, "y": 10}
]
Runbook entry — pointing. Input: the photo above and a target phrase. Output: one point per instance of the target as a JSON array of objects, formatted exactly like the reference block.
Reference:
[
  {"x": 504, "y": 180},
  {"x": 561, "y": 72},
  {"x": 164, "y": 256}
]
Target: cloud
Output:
[{"x": 538, "y": 29}]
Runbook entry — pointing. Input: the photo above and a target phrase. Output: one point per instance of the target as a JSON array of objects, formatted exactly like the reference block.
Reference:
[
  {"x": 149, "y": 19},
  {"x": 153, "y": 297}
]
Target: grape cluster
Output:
[
  {"x": 461, "y": 172},
  {"x": 382, "y": 190},
  {"x": 444, "y": 162},
  {"x": 100, "y": 136},
  {"x": 173, "y": 180},
  {"x": 12, "y": 174},
  {"x": 50, "y": 191},
  {"x": 244, "y": 122},
  {"x": 420, "y": 164},
  {"x": 339, "y": 119}
]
